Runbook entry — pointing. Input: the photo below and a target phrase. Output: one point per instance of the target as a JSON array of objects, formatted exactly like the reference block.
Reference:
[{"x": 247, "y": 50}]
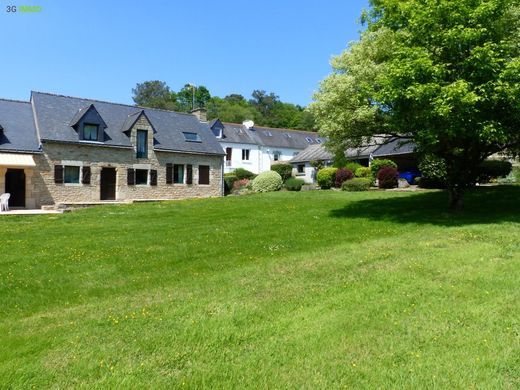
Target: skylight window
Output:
[
  {"x": 318, "y": 140},
  {"x": 192, "y": 137},
  {"x": 268, "y": 133},
  {"x": 287, "y": 135},
  {"x": 309, "y": 140}
]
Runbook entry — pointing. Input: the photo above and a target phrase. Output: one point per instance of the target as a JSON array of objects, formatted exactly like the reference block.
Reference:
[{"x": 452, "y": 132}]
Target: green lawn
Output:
[{"x": 283, "y": 290}]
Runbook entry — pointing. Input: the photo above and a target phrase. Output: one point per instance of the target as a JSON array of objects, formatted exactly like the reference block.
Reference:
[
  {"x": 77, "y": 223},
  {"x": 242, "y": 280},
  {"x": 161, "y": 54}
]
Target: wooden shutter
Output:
[
  {"x": 58, "y": 174},
  {"x": 86, "y": 175},
  {"x": 153, "y": 177},
  {"x": 130, "y": 178},
  {"x": 203, "y": 174},
  {"x": 189, "y": 174},
  {"x": 169, "y": 173}
]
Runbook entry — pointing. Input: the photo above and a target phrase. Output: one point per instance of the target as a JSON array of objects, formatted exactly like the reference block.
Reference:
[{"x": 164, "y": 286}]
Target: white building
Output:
[{"x": 256, "y": 148}]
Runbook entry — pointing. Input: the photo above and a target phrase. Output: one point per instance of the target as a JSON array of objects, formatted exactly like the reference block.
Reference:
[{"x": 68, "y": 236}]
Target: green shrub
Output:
[
  {"x": 377, "y": 164},
  {"x": 242, "y": 173},
  {"x": 229, "y": 180},
  {"x": 433, "y": 171},
  {"x": 294, "y": 184},
  {"x": 283, "y": 169},
  {"x": 493, "y": 169},
  {"x": 363, "y": 172},
  {"x": 326, "y": 177},
  {"x": 353, "y": 166},
  {"x": 357, "y": 184},
  {"x": 267, "y": 182}
]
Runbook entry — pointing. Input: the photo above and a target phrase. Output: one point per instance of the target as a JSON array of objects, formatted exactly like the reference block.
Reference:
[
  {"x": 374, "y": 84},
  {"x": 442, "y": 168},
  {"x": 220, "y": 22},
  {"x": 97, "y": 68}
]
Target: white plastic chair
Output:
[{"x": 4, "y": 202}]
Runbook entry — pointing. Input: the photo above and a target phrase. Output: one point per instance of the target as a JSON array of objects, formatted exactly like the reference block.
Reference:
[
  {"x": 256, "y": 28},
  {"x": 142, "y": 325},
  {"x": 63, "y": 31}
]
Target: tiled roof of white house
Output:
[
  {"x": 312, "y": 153},
  {"x": 379, "y": 147},
  {"x": 17, "y": 130},
  {"x": 266, "y": 136},
  {"x": 56, "y": 115}
]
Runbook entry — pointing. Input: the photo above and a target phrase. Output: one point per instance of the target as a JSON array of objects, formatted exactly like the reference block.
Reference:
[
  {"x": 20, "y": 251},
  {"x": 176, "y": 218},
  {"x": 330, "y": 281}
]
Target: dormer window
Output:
[
  {"x": 142, "y": 144},
  {"x": 90, "y": 132}
]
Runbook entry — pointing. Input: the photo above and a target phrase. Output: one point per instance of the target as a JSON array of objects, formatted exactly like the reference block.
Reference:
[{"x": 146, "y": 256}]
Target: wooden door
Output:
[
  {"x": 108, "y": 184},
  {"x": 15, "y": 185}
]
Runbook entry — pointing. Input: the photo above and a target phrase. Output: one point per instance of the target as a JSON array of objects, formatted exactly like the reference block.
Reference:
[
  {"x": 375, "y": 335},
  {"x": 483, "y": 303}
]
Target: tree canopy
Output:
[
  {"x": 265, "y": 109},
  {"x": 444, "y": 73}
]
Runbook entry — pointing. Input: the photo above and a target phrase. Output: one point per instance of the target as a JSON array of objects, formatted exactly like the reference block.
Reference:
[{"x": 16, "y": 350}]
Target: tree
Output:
[
  {"x": 444, "y": 73},
  {"x": 190, "y": 97},
  {"x": 155, "y": 94}
]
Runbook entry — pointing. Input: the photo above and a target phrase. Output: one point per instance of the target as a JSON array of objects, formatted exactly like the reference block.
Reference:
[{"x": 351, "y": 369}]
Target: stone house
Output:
[{"x": 58, "y": 149}]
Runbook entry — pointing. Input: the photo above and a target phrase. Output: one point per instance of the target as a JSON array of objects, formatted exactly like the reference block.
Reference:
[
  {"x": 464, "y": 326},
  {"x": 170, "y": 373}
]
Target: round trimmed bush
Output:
[
  {"x": 357, "y": 184},
  {"x": 377, "y": 164},
  {"x": 267, "y": 182},
  {"x": 326, "y": 177},
  {"x": 387, "y": 177},
  {"x": 342, "y": 175},
  {"x": 493, "y": 169},
  {"x": 242, "y": 173},
  {"x": 283, "y": 169},
  {"x": 363, "y": 172},
  {"x": 294, "y": 184}
]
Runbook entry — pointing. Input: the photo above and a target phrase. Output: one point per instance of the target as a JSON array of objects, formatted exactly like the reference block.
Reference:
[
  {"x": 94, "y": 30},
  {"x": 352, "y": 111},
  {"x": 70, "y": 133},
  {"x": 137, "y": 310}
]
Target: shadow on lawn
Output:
[{"x": 481, "y": 205}]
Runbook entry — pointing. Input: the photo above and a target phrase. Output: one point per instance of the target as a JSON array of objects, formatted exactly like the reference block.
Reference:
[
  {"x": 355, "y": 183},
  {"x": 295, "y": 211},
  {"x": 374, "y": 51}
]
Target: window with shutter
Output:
[
  {"x": 153, "y": 177},
  {"x": 178, "y": 174},
  {"x": 130, "y": 177},
  {"x": 169, "y": 173},
  {"x": 189, "y": 174},
  {"x": 203, "y": 174},
  {"x": 85, "y": 175},
  {"x": 58, "y": 174}
]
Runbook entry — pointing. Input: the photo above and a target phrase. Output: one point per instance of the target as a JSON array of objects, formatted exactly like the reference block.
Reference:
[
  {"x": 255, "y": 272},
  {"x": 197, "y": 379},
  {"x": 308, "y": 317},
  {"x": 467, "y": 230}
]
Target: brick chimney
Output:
[{"x": 200, "y": 113}]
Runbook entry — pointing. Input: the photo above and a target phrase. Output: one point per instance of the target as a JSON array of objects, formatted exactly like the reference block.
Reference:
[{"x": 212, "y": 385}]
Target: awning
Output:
[{"x": 16, "y": 160}]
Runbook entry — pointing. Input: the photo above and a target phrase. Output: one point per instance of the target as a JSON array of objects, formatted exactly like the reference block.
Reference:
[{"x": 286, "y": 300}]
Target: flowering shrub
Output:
[
  {"x": 239, "y": 184},
  {"x": 343, "y": 174},
  {"x": 326, "y": 177},
  {"x": 387, "y": 177},
  {"x": 267, "y": 181}
]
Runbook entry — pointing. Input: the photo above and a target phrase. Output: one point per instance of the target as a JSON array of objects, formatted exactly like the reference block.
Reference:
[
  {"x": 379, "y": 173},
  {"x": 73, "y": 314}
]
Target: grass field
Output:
[{"x": 283, "y": 290}]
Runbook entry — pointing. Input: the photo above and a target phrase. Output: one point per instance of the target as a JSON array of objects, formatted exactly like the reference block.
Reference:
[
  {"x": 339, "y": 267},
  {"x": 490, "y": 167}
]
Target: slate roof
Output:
[
  {"x": 312, "y": 153},
  {"x": 19, "y": 132},
  {"x": 54, "y": 114},
  {"x": 268, "y": 136},
  {"x": 394, "y": 147},
  {"x": 365, "y": 151}
]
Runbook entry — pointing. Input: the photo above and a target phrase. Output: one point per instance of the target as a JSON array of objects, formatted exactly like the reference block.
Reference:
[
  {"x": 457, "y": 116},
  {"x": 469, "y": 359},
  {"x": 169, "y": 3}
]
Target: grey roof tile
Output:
[
  {"x": 19, "y": 132},
  {"x": 55, "y": 112},
  {"x": 312, "y": 153},
  {"x": 394, "y": 147}
]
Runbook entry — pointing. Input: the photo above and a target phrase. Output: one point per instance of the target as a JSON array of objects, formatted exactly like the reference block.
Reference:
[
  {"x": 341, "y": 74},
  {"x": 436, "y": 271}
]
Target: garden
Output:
[{"x": 317, "y": 289}]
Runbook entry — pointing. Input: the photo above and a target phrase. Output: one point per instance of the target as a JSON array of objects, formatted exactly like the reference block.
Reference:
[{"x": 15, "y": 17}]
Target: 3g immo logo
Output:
[{"x": 23, "y": 9}]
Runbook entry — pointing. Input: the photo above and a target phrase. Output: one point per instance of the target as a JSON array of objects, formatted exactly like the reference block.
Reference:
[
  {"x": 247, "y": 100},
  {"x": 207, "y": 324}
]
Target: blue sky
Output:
[{"x": 101, "y": 49}]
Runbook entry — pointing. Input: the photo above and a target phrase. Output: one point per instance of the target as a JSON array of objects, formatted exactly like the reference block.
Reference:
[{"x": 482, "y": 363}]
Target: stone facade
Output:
[{"x": 96, "y": 156}]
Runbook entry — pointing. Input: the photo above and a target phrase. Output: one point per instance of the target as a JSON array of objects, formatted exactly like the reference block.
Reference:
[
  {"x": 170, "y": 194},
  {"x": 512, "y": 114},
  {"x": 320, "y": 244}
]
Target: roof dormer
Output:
[
  {"x": 217, "y": 127},
  {"x": 89, "y": 124}
]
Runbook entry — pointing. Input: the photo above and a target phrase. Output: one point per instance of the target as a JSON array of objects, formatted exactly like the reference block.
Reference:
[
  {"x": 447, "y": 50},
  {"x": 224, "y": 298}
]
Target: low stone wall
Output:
[{"x": 47, "y": 192}]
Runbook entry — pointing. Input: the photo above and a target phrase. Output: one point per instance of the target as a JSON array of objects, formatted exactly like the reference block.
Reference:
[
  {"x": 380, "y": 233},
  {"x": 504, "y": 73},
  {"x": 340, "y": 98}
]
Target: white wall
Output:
[
  {"x": 253, "y": 164},
  {"x": 309, "y": 173},
  {"x": 260, "y": 158}
]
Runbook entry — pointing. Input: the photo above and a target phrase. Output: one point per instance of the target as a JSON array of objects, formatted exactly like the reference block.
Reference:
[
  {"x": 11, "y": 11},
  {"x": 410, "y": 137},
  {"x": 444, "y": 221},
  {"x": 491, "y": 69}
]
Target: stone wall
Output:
[{"x": 47, "y": 192}]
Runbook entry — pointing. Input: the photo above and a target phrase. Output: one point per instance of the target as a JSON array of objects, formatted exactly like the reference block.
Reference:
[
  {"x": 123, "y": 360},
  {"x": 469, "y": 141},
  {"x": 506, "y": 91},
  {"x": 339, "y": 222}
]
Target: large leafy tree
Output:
[
  {"x": 445, "y": 73},
  {"x": 191, "y": 96},
  {"x": 155, "y": 94}
]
